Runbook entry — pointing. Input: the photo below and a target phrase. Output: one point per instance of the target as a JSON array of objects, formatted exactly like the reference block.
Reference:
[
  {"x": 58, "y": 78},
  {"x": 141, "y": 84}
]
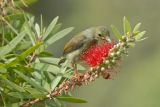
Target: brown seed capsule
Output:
[{"x": 106, "y": 75}]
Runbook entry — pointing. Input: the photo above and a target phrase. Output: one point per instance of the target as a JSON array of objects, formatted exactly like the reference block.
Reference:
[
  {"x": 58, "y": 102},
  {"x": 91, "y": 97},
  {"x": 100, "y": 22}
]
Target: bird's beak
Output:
[{"x": 108, "y": 39}]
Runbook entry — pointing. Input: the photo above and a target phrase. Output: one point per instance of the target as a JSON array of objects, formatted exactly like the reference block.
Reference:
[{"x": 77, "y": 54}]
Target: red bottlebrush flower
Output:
[{"x": 95, "y": 55}]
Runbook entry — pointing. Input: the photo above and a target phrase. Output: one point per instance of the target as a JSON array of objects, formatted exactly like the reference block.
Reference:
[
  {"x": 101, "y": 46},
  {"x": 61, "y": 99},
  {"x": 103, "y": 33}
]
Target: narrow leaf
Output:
[
  {"x": 24, "y": 55},
  {"x": 30, "y": 81},
  {"x": 72, "y": 99},
  {"x": 12, "y": 84},
  {"x": 50, "y": 60},
  {"x": 59, "y": 35},
  {"x": 57, "y": 79},
  {"x": 20, "y": 95},
  {"x": 23, "y": 45},
  {"x": 131, "y": 44},
  {"x": 45, "y": 54},
  {"x": 55, "y": 29},
  {"x": 139, "y": 35},
  {"x": 3, "y": 70},
  {"x": 12, "y": 44},
  {"x": 37, "y": 28},
  {"x": 142, "y": 39},
  {"x": 116, "y": 32},
  {"x": 30, "y": 34},
  {"x": 57, "y": 102},
  {"x": 28, "y": 27},
  {"x": 126, "y": 26},
  {"x": 27, "y": 3},
  {"x": 51, "y": 103},
  {"x": 3, "y": 99},
  {"x": 11, "y": 27},
  {"x": 50, "y": 68},
  {"x": 50, "y": 27},
  {"x": 34, "y": 92},
  {"x": 136, "y": 28}
]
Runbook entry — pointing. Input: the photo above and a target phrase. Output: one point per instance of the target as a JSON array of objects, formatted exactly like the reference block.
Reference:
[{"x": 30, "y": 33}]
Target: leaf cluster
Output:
[
  {"x": 27, "y": 69},
  {"x": 130, "y": 35}
]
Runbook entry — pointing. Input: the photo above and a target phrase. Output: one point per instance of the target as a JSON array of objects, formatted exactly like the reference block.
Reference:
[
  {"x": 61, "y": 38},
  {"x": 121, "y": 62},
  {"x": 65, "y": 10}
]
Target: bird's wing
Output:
[{"x": 72, "y": 45}]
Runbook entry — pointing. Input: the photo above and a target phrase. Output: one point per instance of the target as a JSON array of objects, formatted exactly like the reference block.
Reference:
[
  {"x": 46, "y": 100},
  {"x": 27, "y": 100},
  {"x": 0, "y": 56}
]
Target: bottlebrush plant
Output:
[{"x": 30, "y": 75}]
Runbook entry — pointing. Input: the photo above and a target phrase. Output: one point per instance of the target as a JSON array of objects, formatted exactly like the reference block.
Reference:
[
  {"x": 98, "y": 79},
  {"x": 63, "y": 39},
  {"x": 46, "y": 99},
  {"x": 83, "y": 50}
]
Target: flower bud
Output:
[
  {"x": 113, "y": 61},
  {"x": 102, "y": 69},
  {"x": 112, "y": 54},
  {"x": 124, "y": 38},
  {"x": 117, "y": 45},
  {"x": 109, "y": 66},
  {"x": 107, "y": 62},
  {"x": 118, "y": 53},
  {"x": 123, "y": 44}
]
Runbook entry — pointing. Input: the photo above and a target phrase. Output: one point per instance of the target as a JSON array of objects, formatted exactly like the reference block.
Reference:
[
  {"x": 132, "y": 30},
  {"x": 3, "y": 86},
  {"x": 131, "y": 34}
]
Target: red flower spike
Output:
[{"x": 95, "y": 55}]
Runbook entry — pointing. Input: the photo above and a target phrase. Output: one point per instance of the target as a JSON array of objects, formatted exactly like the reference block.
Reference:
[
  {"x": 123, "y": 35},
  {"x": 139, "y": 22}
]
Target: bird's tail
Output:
[{"x": 62, "y": 60}]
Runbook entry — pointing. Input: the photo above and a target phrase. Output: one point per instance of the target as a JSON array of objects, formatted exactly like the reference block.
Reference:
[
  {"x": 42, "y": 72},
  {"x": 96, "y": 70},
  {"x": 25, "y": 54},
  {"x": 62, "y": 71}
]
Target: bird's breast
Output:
[{"x": 74, "y": 55}]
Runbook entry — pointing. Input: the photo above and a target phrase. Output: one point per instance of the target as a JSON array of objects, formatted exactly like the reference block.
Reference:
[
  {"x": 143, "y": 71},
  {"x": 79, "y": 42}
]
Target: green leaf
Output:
[
  {"x": 12, "y": 84},
  {"x": 12, "y": 44},
  {"x": 2, "y": 95},
  {"x": 57, "y": 79},
  {"x": 51, "y": 103},
  {"x": 45, "y": 54},
  {"x": 139, "y": 35},
  {"x": 15, "y": 16},
  {"x": 17, "y": 104},
  {"x": 50, "y": 27},
  {"x": 26, "y": 3},
  {"x": 59, "y": 35},
  {"x": 30, "y": 34},
  {"x": 23, "y": 45},
  {"x": 55, "y": 29},
  {"x": 3, "y": 70},
  {"x": 37, "y": 28},
  {"x": 30, "y": 81},
  {"x": 47, "y": 85},
  {"x": 28, "y": 28},
  {"x": 50, "y": 68},
  {"x": 126, "y": 26},
  {"x": 24, "y": 55},
  {"x": 80, "y": 67},
  {"x": 131, "y": 44},
  {"x": 34, "y": 92},
  {"x": 116, "y": 32},
  {"x": 142, "y": 39},
  {"x": 50, "y": 60},
  {"x": 136, "y": 28},
  {"x": 20, "y": 95},
  {"x": 50, "y": 71},
  {"x": 10, "y": 26},
  {"x": 57, "y": 102},
  {"x": 72, "y": 99}
]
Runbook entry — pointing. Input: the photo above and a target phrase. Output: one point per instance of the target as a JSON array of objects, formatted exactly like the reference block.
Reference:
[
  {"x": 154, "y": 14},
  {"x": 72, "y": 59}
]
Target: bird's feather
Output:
[{"x": 74, "y": 44}]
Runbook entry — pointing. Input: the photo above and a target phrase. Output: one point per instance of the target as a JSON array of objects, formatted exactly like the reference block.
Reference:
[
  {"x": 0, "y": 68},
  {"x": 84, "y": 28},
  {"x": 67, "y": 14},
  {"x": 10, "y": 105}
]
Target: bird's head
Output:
[{"x": 102, "y": 33}]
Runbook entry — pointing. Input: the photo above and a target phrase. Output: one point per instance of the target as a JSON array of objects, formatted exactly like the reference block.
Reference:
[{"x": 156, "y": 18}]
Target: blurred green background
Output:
[{"x": 137, "y": 83}]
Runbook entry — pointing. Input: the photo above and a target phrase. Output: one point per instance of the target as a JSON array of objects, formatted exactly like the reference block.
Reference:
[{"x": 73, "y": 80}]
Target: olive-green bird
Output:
[{"x": 82, "y": 41}]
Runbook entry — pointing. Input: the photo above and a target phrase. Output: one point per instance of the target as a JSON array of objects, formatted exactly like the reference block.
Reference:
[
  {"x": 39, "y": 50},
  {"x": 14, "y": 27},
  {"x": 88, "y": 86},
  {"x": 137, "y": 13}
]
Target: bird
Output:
[{"x": 81, "y": 42}]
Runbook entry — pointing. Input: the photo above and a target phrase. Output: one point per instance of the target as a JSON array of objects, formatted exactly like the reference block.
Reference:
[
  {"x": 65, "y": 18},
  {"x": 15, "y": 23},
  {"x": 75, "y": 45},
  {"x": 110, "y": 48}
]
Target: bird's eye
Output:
[{"x": 99, "y": 35}]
